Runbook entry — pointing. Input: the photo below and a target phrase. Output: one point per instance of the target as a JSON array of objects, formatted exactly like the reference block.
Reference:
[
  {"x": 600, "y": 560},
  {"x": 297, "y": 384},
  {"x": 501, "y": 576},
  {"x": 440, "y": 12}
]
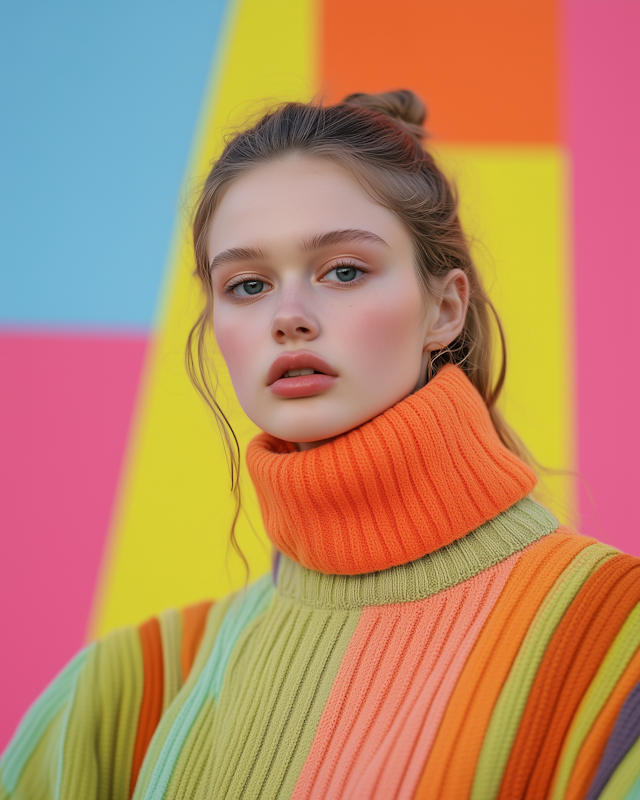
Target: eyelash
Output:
[
  {"x": 228, "y": 289},
  {"x": 348, "y": 265},
  {"x": 242, "y": 279}
]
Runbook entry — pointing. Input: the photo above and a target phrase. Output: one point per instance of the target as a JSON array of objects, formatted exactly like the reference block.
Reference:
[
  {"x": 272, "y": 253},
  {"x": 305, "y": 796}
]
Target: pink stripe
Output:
[
  {"x": 66, "y": 408},
  {"x": 392, "y": 689},
  {"x": 602, "y": 47}
]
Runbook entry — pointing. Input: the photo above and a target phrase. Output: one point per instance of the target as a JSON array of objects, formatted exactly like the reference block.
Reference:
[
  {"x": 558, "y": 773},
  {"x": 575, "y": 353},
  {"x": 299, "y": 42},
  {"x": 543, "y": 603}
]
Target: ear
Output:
[{"x": 448, "y": 310}]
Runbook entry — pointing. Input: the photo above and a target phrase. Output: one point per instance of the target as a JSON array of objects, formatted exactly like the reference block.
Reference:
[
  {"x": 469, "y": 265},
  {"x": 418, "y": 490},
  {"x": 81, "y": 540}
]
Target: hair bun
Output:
[{"x": 402, "y": 105}]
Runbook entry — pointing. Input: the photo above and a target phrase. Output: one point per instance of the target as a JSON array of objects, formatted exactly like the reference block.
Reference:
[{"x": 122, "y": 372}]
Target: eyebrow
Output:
[
  {"x": 317, "y": 242},
  {"x": 235, "y": 254},
  {"x": 338, "y": 237}
]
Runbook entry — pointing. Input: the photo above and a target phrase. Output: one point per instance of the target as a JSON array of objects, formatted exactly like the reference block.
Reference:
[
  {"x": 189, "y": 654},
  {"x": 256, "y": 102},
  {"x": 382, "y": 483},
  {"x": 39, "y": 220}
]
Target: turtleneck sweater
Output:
[
  {"x": 429, "y": 631},
  {"x": 412, "y": 480}
]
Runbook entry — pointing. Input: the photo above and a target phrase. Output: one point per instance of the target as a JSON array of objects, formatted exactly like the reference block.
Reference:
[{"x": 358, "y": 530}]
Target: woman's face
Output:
[{"x": 310, "y": 273}]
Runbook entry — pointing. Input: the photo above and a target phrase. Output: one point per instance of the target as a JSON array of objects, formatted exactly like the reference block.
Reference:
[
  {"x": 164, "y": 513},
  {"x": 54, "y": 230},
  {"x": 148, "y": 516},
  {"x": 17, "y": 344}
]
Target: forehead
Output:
[{"x": 294, "y": 199}]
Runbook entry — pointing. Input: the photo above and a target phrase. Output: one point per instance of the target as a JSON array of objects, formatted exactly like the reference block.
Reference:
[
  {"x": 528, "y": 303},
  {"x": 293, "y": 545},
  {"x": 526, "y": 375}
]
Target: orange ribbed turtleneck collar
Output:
[{"x": 416, "y": 478}]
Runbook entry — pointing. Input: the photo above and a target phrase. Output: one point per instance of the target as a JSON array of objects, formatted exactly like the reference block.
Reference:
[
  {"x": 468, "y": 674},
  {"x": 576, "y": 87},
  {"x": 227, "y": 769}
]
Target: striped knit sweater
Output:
[{"x": 429, "y": 632}]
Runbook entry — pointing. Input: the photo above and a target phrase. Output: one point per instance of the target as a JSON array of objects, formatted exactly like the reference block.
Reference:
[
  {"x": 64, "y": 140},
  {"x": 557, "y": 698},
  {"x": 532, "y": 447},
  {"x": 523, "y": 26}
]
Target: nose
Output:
[{"x": 293, "y": 321}]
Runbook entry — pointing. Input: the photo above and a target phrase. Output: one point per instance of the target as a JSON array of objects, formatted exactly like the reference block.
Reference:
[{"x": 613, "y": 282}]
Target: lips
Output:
[{"x": 322, "y": 378}]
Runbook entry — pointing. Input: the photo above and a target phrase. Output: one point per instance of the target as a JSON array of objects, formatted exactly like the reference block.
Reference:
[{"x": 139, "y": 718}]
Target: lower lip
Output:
[{"x": 302, "y": 386}]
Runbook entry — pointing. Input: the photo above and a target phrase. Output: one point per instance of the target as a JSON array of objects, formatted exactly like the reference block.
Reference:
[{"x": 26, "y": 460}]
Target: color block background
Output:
[{"x": 114, "y": 491}]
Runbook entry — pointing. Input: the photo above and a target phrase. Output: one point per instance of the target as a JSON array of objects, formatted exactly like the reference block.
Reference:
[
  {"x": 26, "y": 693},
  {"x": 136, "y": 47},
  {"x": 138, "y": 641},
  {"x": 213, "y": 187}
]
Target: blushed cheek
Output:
[
  {"x": 238, "y": 350},
  {"x": 389, "y": 339}
]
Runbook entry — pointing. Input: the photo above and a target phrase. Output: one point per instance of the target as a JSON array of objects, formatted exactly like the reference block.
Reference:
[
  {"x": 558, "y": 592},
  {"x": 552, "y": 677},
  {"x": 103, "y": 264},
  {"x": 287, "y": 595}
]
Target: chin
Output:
[
  {"x": 313, "y": 419},
  {"x": 319, "y": 426},
  {"x": 305, "y": 430},
  {"x": 305, "y": 435}
]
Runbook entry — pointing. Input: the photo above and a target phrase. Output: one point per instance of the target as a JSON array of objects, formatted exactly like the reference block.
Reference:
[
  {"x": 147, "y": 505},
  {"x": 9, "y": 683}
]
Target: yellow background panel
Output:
[
  {"x": 513, "y": 204},
  {"x": 169, "y": 543}
]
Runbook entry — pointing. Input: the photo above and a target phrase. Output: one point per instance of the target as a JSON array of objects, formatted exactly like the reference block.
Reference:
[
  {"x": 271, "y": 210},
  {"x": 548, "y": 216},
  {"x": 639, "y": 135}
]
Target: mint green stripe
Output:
[
  {"x": 246, "y": 607},
  {"x": 634, "y": 794},
  {"x": 38, "y": 718}
]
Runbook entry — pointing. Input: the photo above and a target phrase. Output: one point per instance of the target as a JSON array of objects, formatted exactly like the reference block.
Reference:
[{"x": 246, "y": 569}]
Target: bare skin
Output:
[{"x": 305, "y": 262}]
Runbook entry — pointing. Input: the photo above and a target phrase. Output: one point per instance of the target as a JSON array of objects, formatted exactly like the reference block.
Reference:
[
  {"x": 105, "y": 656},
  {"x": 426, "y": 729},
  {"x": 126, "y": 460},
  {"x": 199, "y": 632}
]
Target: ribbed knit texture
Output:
[
  {"x": 423, "y": 474},
  {"x": 497, "y": 662},
  {"x": 391, "y": 691},
  {"x": 625, "y": 733},
  {"x": 508, "y": 533},
  {"x": 585, "y": 755}
]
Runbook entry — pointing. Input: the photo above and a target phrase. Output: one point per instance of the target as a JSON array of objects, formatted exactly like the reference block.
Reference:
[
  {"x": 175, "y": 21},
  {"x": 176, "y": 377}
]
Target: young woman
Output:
[{"x": 429, "y": 630}]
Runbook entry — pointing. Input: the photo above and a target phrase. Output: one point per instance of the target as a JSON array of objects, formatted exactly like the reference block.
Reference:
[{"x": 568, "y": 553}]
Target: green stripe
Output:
[
  {"x": 612, "y": 667},
  {"x": 236, "y": 620},
  {"x": 508, "y": 533},
  {"x": 100, "y": 732},
  {"x": 61, "y": 743},
  {"x": 247, "y": 605},
  {"x": 38, "y": 718},
  {"x": 280, "y": 677},
  {"x": 511, "y": 703}
]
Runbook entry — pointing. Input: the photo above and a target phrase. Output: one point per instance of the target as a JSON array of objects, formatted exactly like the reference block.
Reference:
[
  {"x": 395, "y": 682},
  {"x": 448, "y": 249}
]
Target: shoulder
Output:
[
  {"x": 599, "y": 574},
  {"x": 591, "y": 592},
  {"x": 95, "y": 720},
  {"x": 572, "y": 690}
]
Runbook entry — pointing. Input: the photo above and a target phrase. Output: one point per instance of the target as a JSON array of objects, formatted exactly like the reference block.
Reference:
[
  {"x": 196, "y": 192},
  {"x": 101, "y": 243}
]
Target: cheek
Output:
[
  {"x": 388, "y": 336},
  {"x": 237, "y": 343}
]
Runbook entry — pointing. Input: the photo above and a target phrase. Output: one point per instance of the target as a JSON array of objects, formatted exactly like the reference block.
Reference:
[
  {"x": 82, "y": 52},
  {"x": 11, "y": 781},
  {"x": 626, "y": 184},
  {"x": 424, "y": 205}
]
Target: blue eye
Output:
[
  {"x": 344, "y": 274},
  {"x": 248, "y": 288}
]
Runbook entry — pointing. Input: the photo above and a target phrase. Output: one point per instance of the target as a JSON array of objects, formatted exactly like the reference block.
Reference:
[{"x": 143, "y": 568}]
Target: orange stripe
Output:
[
  {"x": 593, "y": 746},
  {"x": 194, "y": 619},
  {"x": 570, "y": 663},
  {"x": 448, "y": 774},
  {"x": 152, "y": 694}
]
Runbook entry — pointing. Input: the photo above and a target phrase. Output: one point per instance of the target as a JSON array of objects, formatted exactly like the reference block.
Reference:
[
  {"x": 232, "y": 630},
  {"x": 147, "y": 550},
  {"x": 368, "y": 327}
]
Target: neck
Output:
[{"x": 414, "y": 479}]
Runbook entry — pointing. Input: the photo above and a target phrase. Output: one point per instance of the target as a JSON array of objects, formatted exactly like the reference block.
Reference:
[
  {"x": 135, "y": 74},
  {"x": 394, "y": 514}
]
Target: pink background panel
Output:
[
  {"x": 603, "y": 127},
  {"x": 58, "y": 478}
]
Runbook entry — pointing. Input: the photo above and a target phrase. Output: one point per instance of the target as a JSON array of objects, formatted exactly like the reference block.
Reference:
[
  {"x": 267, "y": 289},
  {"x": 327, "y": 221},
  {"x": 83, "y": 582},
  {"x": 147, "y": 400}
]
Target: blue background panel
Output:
[{"x": 99, "y": 105}]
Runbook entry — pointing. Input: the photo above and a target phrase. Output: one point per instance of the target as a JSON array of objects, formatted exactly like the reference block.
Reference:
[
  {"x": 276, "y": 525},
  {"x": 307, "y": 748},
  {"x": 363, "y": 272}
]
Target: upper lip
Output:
[{"x": 300, "y": 359}]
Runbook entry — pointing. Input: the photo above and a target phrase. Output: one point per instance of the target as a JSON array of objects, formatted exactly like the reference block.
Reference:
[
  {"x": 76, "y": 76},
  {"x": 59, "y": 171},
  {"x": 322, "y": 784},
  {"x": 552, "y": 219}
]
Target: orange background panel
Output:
[{"x": 487, "y": 67}]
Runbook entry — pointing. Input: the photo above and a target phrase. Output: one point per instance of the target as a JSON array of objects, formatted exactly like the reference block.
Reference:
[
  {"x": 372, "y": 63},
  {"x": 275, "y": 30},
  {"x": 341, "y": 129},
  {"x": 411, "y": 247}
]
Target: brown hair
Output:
[{"x": 379, "y": 139}]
